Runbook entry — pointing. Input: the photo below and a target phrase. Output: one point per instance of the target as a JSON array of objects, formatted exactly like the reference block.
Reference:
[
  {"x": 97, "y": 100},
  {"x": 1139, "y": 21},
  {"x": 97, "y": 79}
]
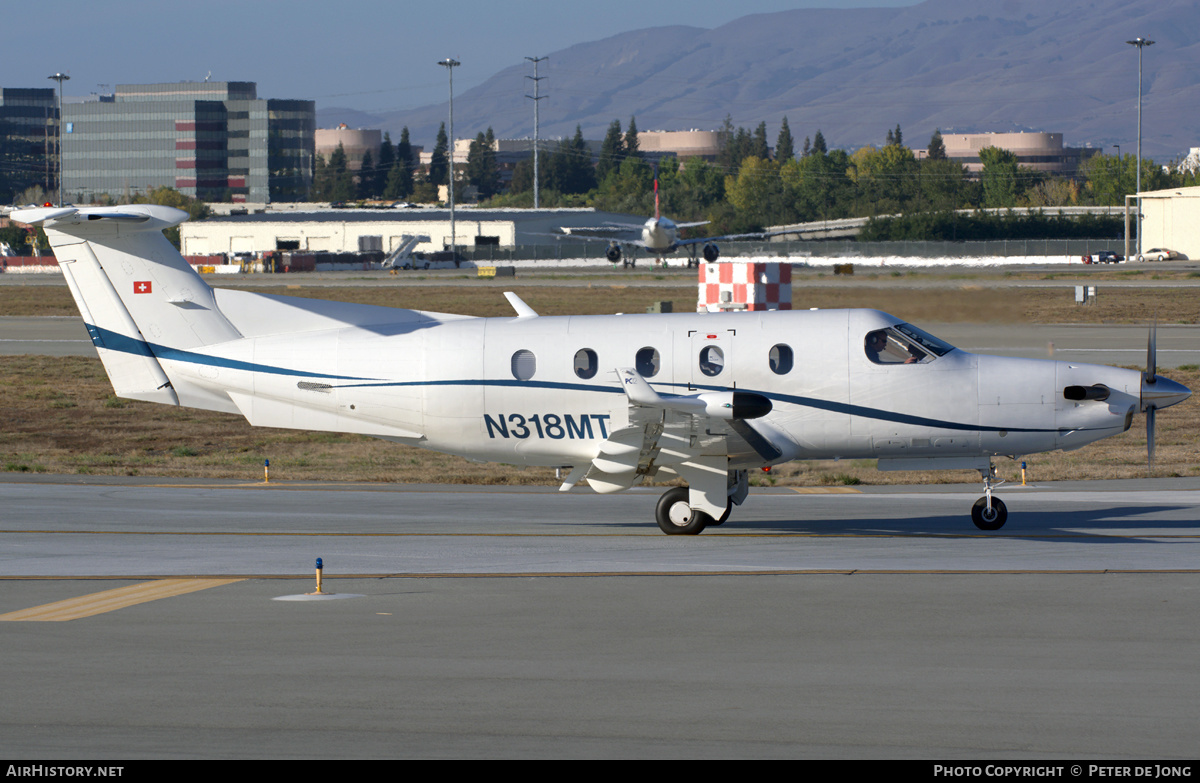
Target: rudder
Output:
[{"x": 138, "y": 297}]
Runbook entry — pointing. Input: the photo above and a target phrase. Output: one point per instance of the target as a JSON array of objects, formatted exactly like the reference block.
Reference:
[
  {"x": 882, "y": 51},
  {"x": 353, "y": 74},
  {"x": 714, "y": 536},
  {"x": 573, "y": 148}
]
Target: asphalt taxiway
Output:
[{"x": 138, "y": 621}]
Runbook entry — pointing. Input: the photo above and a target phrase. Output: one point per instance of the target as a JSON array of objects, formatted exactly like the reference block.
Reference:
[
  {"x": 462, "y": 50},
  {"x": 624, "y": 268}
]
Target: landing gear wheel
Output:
[
  {"x": 725, "y": 516},
  {"x": 676, "y": 517},
  {"x": 989, "y": 519}
]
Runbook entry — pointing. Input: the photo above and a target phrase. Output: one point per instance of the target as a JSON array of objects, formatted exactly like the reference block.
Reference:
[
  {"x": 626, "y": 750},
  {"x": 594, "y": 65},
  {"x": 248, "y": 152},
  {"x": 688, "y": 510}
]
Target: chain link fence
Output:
[{"x": 1002, "y": 248}]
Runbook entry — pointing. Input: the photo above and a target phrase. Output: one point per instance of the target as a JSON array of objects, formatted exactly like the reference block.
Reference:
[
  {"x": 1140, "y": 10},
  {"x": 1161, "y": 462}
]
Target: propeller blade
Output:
[
  {"x": 1152, "y": 353},
  {"x": 1150, "y": 439}
]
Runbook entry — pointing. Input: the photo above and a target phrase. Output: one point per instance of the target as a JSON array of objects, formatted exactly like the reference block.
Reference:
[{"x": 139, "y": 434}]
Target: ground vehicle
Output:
[
  {"x": 1159, "y": 254},
  {"x": 436, "y": 259},
  {"x": 1104, "y": 257}
]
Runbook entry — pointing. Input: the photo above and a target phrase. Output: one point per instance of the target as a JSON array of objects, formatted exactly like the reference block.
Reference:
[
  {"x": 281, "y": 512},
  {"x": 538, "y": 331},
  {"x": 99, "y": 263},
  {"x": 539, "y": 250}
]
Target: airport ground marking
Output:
[
  {"x": 217, "y": 581},
  {"x": 726, "y": 534},
  {"x": 111, "y": 600},
  {"x": 825, "y": 490}
]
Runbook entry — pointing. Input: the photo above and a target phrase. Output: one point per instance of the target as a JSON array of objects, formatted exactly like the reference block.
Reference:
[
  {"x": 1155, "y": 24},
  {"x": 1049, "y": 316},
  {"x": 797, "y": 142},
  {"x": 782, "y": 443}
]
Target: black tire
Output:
[
  {"x": 985, "y": 521},
  {"x": 676, "y": 518}
]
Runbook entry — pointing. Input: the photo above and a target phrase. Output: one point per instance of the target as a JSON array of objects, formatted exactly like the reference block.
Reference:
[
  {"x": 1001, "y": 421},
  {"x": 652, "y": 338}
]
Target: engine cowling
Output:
[
  {"x": 735, "y": 405},
  {"x": 613, "y": 253},
  {"x": 711, "y": 252}
]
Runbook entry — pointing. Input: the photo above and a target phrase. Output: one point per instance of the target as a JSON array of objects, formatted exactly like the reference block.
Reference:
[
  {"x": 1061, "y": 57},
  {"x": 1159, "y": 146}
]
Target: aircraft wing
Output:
[
  {"x": 727, "y": 237},
  {"x": 606, "y": 231},
  {"x": 687, "y": 435}
]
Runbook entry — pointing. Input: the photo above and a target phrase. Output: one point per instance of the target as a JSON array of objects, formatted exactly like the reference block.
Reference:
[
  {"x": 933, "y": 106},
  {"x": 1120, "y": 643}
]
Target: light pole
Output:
[
  {"x": 537, "y": 96},
  {"x": 60, "y": 78},
  {"x": 450, "y": 64},
  {"x": 1140, "y": 43}
]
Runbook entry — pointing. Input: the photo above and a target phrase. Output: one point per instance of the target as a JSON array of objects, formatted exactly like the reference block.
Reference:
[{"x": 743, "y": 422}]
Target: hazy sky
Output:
[{"x": 363, "y": 54}]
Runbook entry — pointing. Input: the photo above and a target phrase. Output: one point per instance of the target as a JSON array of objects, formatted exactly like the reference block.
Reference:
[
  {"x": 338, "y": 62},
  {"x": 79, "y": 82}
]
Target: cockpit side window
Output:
[
  {"x": 889, "y": 346},
  {"x": 925, "y": 340}
]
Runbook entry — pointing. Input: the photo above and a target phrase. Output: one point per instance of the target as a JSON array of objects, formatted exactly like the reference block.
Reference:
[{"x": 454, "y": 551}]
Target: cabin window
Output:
[
  {"x": 586, "y": 363},
  {"x": 780, "y": 358},
  {"x": 524, "y": 365},
  {"x": 648, "y": 362},
  {"x": 712, "y": 360}
]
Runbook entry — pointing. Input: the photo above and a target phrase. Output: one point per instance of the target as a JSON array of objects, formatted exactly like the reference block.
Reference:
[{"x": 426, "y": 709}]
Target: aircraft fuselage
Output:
[
  {"x": 659, "y": 234},
  {"x": 455, "y": 386}
]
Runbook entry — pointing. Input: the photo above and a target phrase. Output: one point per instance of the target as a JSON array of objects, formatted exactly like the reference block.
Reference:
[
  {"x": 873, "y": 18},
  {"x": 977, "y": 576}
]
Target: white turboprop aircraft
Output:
[{"x": 612, "y": 399}]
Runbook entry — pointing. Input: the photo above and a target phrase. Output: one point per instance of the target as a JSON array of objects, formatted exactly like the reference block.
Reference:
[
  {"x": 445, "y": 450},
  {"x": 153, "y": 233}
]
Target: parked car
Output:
[
  {"x": 1159, "y": 254},
  {"x": 1105, "y": 257}
]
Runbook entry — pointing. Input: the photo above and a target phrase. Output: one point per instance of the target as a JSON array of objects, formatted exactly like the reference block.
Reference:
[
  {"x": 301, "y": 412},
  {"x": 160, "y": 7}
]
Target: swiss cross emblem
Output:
[{"x": 141, "y": 287}]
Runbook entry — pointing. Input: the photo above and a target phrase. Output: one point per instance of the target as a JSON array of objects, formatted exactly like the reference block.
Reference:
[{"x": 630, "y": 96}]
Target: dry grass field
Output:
[
  {"x": 966, "y": 300},
  {"x": 62, "y": 417}
]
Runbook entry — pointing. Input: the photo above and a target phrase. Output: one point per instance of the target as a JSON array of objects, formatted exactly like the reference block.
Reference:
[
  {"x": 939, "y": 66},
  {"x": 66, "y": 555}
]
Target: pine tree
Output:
[
  {"x": 404, "y": 148},
  {"x": 474, "y": 165},
  {"x": 739, "y": 148},
  {"x": 891, "y": 139},
  {"x": 899, "y": 137},
  {"x": 340, "y": 178},
  {"x": 438, "y": 160},
  {"x": 399, "y": 184},
  {"x": 387, "y": 158},
  {"x": 321, "y": 187},
  {"x": 758, "y": 142},
  {"x": 491, "y": 169},
  {"x": 784, "y": 147},
  {"x": 818, "y": 147},
  {"x": 582, "y": 171},
  {"x": 366, "y": 177},
  {"x": 937, "y": 149},
  {"x": 632, "y": 149},
  {"x": 481, "y": 165},
  {"x": 612, "y": 151}
]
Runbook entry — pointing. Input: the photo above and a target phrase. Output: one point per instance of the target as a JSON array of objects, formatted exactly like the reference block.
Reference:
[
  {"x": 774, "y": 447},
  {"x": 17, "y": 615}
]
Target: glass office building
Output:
[
  {"x": 215, "y": 141},
  {"x": 28, "y": 122}
]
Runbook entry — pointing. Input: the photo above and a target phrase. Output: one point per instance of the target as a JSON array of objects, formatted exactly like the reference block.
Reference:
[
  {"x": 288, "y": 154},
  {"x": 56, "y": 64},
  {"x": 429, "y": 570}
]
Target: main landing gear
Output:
[
  {"x": 676, "y": 517},
  {"x": 989, "y": 513}
]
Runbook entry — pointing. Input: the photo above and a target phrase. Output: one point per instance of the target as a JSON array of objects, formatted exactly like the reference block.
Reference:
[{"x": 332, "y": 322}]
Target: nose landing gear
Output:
[{"x": 989, "y": 513}]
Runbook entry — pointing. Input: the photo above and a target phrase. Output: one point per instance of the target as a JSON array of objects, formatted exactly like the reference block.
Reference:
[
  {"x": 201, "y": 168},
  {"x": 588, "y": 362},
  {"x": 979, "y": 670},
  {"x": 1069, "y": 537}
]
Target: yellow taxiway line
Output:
[{"x": 111, "y": 600}]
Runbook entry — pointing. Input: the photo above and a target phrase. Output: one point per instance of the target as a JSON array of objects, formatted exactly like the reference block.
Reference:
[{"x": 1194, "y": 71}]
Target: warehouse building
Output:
[
  {"x": 1171, "y": 219},
  {"x": 369, "y": 230}
]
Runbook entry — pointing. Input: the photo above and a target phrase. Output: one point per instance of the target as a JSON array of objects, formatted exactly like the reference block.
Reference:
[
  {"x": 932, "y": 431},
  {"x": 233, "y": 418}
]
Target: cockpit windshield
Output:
[{"x": 904, "y": 344}]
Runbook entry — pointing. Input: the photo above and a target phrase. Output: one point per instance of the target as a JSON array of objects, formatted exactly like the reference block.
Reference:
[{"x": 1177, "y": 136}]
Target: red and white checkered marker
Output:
[{"x": 745, "y": 285}]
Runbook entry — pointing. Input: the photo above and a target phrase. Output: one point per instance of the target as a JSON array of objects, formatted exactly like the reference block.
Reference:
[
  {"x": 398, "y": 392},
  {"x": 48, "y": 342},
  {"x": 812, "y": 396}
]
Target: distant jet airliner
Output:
[{"x": 659, "y": 236}]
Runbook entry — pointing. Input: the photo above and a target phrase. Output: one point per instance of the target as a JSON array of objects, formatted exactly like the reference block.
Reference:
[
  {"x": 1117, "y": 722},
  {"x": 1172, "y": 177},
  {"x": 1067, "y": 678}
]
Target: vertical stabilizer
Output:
[{"x": 138, "y": 297}]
